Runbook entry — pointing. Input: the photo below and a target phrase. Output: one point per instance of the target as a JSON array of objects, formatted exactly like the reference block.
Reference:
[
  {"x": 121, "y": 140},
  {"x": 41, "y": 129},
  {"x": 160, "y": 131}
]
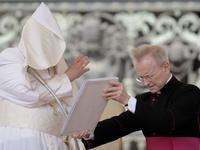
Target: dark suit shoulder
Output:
[{"x": 185, "y": 88}]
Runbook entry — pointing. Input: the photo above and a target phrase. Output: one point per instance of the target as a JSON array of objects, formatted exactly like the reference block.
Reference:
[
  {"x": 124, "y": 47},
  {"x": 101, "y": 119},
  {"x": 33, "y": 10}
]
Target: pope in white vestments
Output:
[{"x": 30, "y": 118}]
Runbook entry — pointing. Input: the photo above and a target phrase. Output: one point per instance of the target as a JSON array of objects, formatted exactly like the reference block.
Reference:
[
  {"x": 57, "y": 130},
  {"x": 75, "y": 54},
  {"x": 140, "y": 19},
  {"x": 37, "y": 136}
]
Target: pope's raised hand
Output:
[{"x": 78, "y": 67}]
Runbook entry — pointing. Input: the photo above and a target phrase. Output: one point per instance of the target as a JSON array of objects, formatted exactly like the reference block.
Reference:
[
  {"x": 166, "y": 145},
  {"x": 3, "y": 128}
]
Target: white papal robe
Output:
[{"x": 23, "y": 109}]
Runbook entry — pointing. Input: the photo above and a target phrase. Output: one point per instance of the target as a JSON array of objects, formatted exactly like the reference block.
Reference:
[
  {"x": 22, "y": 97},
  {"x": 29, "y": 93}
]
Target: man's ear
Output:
[{"x": 166, "y": 67}]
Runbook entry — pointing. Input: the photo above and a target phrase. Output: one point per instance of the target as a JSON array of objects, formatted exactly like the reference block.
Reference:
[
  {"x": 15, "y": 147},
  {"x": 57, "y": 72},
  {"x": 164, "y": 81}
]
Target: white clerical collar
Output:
[
  {"x": 169, "y": 79},
  {"x": 166, "y": 83}
]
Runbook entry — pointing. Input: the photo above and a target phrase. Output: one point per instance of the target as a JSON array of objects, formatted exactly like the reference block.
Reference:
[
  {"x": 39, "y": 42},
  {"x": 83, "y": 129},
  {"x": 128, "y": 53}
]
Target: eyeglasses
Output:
[{"x": 147, "y": 77}]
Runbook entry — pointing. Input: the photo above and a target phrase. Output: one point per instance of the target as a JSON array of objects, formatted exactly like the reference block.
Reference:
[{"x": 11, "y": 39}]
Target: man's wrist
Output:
[{"x": 126, "y": 105}]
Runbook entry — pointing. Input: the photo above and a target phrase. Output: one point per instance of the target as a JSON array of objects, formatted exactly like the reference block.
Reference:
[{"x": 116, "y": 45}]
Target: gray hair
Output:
[{"x": 158, "y": 53}]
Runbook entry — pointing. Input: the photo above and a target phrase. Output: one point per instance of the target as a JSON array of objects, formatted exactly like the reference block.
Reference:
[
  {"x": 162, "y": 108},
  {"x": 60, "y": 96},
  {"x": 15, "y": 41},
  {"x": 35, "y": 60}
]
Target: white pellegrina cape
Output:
[{"x": 27, "y": 119}]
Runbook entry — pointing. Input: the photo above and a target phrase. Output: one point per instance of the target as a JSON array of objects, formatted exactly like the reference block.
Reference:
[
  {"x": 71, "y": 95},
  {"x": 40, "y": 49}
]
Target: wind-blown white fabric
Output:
[
  {"x": 20, "y": 88},
  {"x": 41, "y": 42}
]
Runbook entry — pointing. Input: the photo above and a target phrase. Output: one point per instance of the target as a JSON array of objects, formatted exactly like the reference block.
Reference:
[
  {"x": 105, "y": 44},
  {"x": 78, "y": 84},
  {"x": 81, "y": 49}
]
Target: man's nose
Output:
[{"x": 145, "y": 82}]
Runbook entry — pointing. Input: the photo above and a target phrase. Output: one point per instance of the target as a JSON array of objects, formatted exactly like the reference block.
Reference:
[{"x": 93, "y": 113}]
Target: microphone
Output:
[{"x": 35, "y": 74}]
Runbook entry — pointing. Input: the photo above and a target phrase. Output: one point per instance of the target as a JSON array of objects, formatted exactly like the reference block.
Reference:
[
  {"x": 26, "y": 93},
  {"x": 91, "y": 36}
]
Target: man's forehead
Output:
[
  {"x": 145, "y": 59},
  {"x": 146, "y": 66}
]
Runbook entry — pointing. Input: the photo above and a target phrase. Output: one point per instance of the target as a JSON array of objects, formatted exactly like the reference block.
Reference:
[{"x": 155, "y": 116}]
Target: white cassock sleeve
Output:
[{"x": 12, "y": 88}]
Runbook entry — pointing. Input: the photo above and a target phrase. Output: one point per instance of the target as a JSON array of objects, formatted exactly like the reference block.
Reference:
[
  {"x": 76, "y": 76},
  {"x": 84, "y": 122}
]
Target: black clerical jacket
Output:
[{"x": 170, "y": 122}]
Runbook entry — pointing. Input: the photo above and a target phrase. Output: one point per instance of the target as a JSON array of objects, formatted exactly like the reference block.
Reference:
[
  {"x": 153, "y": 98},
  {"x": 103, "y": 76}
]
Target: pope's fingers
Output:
[
  {"x": 83, "y": 59},
  {"x": 86, "y": 63},
  {"x": 78, "y": 58}
]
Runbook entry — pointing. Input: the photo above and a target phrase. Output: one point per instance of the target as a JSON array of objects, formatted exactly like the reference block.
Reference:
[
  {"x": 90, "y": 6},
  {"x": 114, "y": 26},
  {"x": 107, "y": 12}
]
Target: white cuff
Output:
[
  {"x": 131, "y": 104},
  {"x": 91, "y": 137}
]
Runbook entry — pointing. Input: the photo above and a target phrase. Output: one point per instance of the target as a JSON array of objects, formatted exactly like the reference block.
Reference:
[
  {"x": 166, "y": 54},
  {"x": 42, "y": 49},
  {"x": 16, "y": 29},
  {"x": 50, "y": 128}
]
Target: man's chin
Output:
[{"x": 153, "y": 91}]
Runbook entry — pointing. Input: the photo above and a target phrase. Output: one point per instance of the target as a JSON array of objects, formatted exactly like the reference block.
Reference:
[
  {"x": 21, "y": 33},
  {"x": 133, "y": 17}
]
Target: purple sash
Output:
[{"x": 172, "y": 143}]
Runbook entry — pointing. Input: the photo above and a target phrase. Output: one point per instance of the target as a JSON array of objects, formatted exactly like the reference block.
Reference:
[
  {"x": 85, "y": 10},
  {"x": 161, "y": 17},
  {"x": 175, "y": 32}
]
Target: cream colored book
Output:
[{"x": 88, "y": 107}]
